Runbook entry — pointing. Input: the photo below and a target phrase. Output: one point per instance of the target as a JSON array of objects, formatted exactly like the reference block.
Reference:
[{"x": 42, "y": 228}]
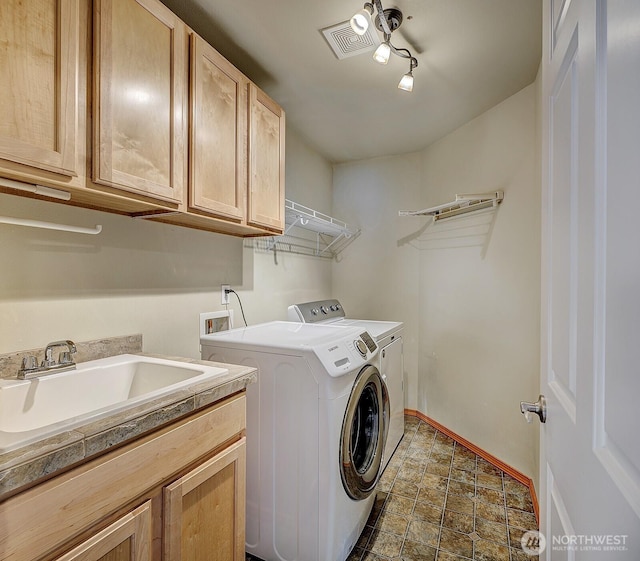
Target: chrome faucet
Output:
[{"x": 49, "y": 365}]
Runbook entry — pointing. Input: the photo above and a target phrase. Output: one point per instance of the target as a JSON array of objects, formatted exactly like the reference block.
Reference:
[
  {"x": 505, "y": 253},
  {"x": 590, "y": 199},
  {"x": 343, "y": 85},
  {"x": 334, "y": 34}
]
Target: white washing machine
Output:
[
  {"x": 316, "y": 430},
  {"x": 388, "y": 336}
]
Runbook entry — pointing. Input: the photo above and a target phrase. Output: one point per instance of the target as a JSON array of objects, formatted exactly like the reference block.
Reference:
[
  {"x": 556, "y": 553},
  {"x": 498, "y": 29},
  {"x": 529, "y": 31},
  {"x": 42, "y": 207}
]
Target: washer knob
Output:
[
  {"x": 361, "y": 347},
  {"x": 324, "y": 309},
  {"x": 315, "y": 311},
  {"x": 333, "y": 308}
]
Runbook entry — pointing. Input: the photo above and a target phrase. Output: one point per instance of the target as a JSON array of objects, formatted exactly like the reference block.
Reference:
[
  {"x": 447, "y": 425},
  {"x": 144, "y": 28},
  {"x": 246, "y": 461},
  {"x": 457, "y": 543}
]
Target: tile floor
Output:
[{"x": 438, "y": 501}]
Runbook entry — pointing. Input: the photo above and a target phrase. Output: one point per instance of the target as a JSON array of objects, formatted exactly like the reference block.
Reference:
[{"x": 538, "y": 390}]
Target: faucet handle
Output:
[
  {"x": 64, "y": 358},
  {"x": 29, "y": 363}
]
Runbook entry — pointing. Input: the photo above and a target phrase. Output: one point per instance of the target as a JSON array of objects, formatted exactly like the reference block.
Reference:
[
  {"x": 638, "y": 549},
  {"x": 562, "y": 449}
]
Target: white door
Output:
[{"x": 590, "y": 444}]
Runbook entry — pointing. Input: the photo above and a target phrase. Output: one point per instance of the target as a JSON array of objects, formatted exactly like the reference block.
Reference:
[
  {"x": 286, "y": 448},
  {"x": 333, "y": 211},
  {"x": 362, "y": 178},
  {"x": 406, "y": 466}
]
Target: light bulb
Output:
[
  {"x": 360, "y": 22},
  {"x": 406, "y": 82},
  {"x": 382, "y": 54}
]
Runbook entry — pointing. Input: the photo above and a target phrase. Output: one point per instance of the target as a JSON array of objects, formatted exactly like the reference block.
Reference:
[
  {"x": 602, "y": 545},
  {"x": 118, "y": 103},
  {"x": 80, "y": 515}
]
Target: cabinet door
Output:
[
  {"x": 39, "y": 69},
  {"x": 140, "y": 56},
  {"x": 127, "y": 539},
  {"x": 266, "y": 161},
  {"x": 204, "y": 510},
  {"x": 217, "y": 156}
]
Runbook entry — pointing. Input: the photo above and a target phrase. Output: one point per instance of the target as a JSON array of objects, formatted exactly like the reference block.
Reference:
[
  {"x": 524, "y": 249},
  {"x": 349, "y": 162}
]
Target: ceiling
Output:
[{"x": 472, "y": 55}]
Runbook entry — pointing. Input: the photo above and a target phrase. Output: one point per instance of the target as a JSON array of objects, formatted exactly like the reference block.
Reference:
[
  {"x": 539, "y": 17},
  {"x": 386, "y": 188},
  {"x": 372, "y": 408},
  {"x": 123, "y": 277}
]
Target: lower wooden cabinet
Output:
[
  {"x": 177, "y": 494},
  {"x": 204, "y": 510},
  {"x": 127, "y": 539},
  {"x": 202, "y": 518}
]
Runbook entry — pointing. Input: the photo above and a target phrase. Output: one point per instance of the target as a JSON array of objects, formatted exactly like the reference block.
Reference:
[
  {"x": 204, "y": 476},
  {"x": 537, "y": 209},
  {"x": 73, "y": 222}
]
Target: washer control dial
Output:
[
  {"x": 361, "y": 347},
  {"x": 324, "y": 309}
]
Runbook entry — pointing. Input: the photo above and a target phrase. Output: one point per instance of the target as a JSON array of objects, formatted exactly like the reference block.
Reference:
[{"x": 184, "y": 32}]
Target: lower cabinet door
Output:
[
  {"x": 204, "y": 511},
  {"x": 127, "y": 539}
]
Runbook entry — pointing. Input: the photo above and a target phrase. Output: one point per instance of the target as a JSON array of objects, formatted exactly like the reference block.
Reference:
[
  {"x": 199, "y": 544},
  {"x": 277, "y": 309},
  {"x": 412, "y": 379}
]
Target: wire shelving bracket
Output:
[{"x": 331, "y": 235}]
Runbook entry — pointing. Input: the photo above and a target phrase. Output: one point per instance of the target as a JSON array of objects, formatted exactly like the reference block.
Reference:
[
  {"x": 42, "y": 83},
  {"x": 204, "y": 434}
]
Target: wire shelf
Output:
[
  {"x": 330, "y": 237},
  {"x": 462, "y": 205}
]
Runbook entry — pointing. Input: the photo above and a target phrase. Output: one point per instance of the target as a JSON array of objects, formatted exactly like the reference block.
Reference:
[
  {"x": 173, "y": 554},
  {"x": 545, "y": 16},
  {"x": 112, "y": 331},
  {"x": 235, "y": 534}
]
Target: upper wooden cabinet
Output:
[
  {"x": 39, "y": 69},
  {"x": 236, "y": 151},
  {"x": 266, "y": 161},
  {"x": 217, "y": 155},
  {"x": 139, "y": 116},
  {"x": 140, "y": 81}
]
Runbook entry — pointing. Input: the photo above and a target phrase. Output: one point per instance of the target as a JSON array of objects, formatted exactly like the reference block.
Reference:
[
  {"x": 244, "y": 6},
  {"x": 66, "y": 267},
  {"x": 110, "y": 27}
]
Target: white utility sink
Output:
[{"x": 40, "y": 407}]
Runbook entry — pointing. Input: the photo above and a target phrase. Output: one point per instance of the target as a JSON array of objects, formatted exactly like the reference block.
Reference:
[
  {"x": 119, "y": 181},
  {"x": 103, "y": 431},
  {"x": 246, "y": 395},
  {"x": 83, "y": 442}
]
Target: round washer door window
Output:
[{"x": 364, "y": 434}]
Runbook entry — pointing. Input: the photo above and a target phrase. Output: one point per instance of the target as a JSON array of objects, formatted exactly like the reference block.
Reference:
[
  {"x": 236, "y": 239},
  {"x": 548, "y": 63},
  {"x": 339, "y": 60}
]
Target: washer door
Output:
[{"x": 364, "y": 434}]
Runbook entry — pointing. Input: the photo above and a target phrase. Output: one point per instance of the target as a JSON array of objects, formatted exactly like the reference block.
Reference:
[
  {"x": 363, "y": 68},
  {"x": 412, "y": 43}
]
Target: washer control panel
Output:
[
  {"x": 312, "y": 312},
  {"x": 353, "y": 352}
]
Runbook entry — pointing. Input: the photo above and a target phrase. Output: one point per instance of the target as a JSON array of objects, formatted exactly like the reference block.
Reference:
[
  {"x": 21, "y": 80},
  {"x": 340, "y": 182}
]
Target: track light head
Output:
[
  {"x": 406, "y": 82},
  {"x": 360, "y": 21},
  {"x": 382, "y": 53}
]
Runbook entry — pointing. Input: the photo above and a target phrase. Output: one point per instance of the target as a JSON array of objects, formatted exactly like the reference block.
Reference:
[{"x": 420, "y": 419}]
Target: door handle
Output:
[{"x": 539, "y": 408}]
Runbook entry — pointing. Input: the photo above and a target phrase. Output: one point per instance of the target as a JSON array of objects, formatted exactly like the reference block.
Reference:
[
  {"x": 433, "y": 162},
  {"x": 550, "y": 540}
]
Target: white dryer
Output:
[
  {"x": 316, "y": 430},
  {"x": 388, "y": 336}
]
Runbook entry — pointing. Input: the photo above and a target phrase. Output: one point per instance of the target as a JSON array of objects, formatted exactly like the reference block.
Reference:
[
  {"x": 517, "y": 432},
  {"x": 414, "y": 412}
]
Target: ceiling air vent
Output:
[{"x": 345, "y": 42}]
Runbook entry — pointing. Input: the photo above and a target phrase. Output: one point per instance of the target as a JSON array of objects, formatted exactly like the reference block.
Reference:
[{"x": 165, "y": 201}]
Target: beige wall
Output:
[
  {"x": 377, "y": 276},
  {"x": 141, "y": 277},
  {"x": 467, "y": 289}
]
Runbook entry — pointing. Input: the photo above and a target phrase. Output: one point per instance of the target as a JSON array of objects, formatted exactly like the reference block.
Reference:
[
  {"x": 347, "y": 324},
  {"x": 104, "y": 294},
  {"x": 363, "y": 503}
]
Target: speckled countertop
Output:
[{"x": 26, "y": 465}]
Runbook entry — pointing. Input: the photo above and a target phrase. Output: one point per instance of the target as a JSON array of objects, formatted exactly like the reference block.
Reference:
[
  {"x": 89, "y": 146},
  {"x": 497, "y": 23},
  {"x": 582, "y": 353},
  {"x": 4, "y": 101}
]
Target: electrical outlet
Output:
[{"x": 224, "y": 296}]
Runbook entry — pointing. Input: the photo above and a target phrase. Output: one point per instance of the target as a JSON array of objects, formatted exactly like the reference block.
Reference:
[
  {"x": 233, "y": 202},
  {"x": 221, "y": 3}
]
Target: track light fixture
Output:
[{"x": 386, "y": 21}]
